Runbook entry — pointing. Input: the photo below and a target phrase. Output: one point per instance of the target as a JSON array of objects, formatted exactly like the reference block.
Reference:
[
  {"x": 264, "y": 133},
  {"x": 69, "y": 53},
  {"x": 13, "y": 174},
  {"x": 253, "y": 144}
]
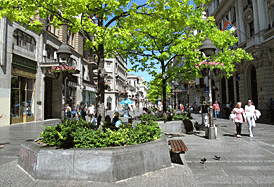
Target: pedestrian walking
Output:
[
  {"x": 239, "y": 118},
  {"x": 82, "y": 110},
  {"x": 216, "y": 108},
  {"x": 182, "y": 108},
  {"x": 73, "y": 112},
  {"x": 204, "y": 112},
  {"x": 91, "y": 112},
  {"x": 250, "y": 117},
  {"x": 67, "y": 111}
]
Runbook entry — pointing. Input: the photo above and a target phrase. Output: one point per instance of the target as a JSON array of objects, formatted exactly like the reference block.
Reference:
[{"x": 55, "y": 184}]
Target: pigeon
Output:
[
  {"x": 203, "y": 160},
  {"x": 217, "y": 157}
]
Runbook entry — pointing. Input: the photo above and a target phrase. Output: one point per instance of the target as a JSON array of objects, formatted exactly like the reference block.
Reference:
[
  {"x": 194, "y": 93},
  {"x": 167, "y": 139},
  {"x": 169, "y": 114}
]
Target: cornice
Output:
[{"x": 222, "y": 8}]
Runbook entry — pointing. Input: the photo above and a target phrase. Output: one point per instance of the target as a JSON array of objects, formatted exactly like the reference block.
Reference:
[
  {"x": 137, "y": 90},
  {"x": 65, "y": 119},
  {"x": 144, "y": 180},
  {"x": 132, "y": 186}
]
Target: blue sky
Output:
[{"x": 144, "y": 74}]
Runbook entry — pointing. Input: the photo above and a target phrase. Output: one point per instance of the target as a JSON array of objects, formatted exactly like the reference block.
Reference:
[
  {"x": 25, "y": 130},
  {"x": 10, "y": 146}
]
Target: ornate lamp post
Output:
[
  {"x": 175, "y": 85},
  {"x": 64, "y": 53},
  {"x": 208, "y": 48}
]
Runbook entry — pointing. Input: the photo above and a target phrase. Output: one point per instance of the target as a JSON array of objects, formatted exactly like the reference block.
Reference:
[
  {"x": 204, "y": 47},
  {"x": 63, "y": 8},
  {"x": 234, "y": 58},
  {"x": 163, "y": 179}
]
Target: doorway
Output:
[
  {"x": 48, "y": 98},
  {"x": 254, "y": 90}
]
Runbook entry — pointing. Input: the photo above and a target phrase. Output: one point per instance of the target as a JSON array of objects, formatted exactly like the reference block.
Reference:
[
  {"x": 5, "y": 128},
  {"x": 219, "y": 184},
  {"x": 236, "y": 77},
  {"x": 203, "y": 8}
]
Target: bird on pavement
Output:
[
  {"x": 217, "y": 157},
  {"x": 203, "y": 160}
]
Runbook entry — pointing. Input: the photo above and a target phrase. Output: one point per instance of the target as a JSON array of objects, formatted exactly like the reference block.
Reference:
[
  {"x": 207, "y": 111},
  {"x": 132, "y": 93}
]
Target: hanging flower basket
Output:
[
  {"x": 62, "y": 68},
  {"x": 205, "y": 67}
]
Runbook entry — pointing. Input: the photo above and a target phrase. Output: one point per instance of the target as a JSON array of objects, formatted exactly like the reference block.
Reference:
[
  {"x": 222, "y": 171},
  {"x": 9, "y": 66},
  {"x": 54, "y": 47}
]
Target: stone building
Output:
[
  {"x": 28, "y": 92},
  {"x": 116, "y": 77},
  {"x": 254, "y": 20}
]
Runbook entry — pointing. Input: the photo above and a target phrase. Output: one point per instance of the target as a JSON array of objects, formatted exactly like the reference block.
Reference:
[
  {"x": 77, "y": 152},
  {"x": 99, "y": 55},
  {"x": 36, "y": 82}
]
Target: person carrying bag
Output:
[
  {"x": 239, "y": 118},
  {"x": 251, "y": 115}
]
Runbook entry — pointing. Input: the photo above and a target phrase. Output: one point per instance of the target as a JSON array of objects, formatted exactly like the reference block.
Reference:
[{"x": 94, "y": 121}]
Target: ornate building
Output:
[{"x": 254, "y": 20}]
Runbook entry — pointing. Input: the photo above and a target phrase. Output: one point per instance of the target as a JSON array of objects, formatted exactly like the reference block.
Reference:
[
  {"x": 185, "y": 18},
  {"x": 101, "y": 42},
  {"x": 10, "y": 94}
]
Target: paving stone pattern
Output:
[{"x": 244, "y": 161}]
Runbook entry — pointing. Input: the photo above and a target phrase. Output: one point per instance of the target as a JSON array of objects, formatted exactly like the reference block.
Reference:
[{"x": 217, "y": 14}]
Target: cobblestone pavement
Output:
[{"x": 244, "y": 161}]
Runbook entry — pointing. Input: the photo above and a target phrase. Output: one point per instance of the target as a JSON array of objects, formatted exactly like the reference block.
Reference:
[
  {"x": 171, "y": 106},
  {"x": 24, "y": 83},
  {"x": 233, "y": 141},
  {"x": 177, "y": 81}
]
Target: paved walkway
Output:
[{"x": 244, "y": 161}]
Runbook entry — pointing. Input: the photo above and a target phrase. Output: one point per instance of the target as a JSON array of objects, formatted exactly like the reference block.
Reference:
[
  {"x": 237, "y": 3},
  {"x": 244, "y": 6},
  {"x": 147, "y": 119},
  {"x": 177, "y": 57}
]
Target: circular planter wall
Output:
[
  {"x": 172, "y": 127},
  {"x": 96, "y": 164}
]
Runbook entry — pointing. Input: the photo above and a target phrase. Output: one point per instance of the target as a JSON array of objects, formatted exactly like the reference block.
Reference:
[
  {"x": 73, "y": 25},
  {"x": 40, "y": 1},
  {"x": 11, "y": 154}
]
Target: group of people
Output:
[
  {"x": 81, "y": 111},
  {"x": 248, "y": 115}
]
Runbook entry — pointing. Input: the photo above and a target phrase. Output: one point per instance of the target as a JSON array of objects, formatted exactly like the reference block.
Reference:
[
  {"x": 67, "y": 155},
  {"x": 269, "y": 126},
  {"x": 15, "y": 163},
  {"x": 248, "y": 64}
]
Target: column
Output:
[
  {"x": 240, "y": 22},
  {"x": 262, "y": 17},
  {"x": 256, "y": 21}
]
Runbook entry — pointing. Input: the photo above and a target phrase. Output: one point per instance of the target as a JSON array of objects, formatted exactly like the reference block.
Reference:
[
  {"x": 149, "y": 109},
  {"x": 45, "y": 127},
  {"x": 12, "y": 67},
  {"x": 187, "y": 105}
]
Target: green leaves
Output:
[{"x": 79, "y": 134}]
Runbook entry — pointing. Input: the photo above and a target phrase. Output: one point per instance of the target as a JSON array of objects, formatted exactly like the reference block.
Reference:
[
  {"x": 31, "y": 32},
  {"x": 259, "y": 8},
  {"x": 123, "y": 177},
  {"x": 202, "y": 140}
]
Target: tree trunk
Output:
[
  {"x": 164, "y": 90},
  {"x": 101, "y": 84}
]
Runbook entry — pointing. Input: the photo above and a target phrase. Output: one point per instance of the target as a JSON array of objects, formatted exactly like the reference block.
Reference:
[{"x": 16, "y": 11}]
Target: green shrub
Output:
[
  {"x": 80, "y": 135},
  {"x": 61, "y": 135},
  {"x": 177, "y": 117},
  {"x": 148, "y": 117}
]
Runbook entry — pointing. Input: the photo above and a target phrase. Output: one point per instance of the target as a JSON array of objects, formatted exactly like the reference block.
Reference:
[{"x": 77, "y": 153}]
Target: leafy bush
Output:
[
  {"x": 148, "y": 117},
  {"x": 62, "y": 135},
  {"x": 80, "y": 135},
  {"x": 177, "y": 117}
]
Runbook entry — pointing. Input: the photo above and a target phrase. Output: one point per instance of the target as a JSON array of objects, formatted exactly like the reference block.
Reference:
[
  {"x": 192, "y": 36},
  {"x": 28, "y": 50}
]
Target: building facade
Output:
[
  {"x": 253, "y": 80},
  {"x": 28, "y": 92}
]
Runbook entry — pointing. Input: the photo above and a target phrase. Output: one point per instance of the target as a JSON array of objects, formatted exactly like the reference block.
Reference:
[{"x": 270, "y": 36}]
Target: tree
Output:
[
  {"x": 155, "y": 89},
  {"x": 77, "y": 16},
  {"x": 165, "y": 32}
]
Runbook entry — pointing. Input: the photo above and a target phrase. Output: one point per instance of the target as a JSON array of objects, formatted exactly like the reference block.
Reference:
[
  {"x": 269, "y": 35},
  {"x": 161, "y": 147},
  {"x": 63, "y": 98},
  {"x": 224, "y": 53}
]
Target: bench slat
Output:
[{"x": 178, "y": 146}]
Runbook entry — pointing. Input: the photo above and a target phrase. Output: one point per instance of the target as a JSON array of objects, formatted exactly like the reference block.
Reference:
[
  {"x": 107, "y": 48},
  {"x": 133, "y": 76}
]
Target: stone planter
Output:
[
  {"x": 97, "y": 164},
  {"x": 172, "y": 127}
]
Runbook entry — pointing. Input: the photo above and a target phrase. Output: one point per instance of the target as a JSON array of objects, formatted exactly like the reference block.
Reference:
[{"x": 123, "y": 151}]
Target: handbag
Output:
[{"x": 232, "y": 116}]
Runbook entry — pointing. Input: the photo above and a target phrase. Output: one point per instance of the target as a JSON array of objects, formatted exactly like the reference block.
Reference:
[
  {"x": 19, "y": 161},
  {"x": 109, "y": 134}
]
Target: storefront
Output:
[
  {"x": 22, "y": 100},
  {"x": 89, "y": 95}
]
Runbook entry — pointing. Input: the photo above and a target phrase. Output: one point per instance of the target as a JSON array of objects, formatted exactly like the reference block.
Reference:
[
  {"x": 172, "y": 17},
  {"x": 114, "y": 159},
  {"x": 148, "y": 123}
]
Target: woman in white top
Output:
[
  {"x": 250, "y": 112},
  {"x": 91, "y": 112}
]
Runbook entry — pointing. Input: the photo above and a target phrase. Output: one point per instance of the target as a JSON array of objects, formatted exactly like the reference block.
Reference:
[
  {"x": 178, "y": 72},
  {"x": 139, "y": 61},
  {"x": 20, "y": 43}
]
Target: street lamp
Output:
[
  {"x": 175, "y": 85},
  {"x": 64, "y": 53},
  {"x": 208, "y": 48}
]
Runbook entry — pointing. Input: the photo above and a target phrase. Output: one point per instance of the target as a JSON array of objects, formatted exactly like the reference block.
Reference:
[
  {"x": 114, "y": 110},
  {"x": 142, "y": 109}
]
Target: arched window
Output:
[{"x": 24, "y": 40}]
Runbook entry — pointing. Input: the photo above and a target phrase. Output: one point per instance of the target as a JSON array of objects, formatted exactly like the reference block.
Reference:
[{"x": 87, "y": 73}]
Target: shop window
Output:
[{"x": 22, "y": 97}]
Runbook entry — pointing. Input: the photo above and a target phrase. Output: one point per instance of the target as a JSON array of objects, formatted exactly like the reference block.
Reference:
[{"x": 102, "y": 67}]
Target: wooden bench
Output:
[{"x": 177, "y": 146}]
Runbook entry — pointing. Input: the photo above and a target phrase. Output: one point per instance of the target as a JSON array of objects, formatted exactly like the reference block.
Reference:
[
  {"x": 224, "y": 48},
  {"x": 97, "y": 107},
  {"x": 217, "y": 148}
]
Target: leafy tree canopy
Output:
[
  {"x": 155, "y": 88},
  {"x": 172, "y": 30}
]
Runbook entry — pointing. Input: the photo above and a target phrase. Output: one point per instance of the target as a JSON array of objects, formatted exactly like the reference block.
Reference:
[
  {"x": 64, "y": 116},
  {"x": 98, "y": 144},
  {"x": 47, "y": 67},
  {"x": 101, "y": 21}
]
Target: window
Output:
[
  {"x": 108, "y": 65},
  {"x": 70, "y": 38},
  {"x": 24, "y": 40},
  {"x": 22, "y": 97},
  {"x": 50, "y": 53},
  {"x": 251, "y": 29}
]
